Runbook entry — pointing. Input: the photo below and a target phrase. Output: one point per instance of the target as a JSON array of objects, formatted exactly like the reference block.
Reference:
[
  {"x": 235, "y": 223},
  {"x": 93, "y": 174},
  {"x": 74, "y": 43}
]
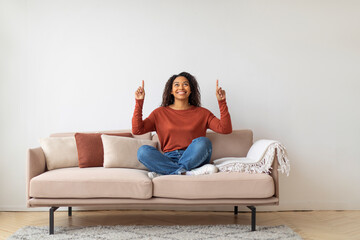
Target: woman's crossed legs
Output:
[{"x": 197, "y": 154}]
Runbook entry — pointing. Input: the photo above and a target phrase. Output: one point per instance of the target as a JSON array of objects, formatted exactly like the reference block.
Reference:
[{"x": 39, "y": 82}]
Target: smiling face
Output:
[{"x": 181, "y": 88}]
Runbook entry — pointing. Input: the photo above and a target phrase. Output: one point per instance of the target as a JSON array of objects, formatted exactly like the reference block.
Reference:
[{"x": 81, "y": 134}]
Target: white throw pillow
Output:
[
  {"x": 122, "y": 151},
  {"x": 259, "y": 148},
  {"x": 60, "y": 152}
]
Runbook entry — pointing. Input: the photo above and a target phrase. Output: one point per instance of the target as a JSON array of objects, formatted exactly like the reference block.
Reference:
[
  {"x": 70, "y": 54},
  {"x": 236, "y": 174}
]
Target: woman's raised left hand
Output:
[{"x": 220, "y": 94}]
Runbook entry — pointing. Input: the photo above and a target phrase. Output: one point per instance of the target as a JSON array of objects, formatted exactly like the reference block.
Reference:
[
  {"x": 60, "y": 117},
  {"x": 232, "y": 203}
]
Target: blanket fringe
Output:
[{"x": 263, "y": 166}]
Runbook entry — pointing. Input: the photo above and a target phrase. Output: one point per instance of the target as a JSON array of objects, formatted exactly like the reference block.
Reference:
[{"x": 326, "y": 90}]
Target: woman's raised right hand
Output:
[{"x": 140, "y": 92}]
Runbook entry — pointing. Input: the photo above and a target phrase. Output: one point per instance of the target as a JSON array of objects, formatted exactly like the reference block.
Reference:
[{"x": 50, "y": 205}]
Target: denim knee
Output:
[
  {"x": 203, "y": 142},
  {"x": 143, "y": 152},
  {"x": 205, "y": 145}
]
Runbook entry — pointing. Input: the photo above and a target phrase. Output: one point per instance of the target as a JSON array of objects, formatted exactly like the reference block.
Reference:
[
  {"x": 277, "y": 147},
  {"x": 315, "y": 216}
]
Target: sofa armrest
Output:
[
  {"x": 35, "y": 165},
  {"x": 275, "y": 175}
]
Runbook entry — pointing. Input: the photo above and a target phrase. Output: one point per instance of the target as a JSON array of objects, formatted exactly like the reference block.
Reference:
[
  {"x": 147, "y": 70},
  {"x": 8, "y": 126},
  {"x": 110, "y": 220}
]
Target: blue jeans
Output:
[{"x": 196, "y": 154}]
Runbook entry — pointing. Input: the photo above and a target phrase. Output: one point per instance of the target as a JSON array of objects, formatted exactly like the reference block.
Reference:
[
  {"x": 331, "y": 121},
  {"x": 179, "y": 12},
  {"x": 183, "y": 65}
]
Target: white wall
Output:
[{"x": 290, "y": 69}]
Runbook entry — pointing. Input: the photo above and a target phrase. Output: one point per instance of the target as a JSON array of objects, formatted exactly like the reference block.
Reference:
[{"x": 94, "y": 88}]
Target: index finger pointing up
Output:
[
  {"x": 217, "y": 83},
  {"x": 142, "y": 84}
]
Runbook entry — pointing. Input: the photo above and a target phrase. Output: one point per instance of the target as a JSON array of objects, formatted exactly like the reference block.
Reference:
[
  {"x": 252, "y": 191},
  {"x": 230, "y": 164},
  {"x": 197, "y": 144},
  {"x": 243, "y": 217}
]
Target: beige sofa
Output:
[{"x": 124, "y": 187}]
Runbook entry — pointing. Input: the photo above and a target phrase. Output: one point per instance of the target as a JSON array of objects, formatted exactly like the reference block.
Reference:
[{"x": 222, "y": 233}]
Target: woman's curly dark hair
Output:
[{"x": 194, "y": 98}]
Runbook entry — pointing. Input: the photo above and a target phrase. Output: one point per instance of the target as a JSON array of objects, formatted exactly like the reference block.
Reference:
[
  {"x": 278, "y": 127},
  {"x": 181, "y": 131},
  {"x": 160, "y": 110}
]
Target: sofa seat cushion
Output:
[
  {"x": 214, "y": 186},
  {"x": 97, "y": 182}
]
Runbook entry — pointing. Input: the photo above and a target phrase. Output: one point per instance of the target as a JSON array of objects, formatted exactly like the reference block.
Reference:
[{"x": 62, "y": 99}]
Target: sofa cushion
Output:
[
  {"x": 214, "y": 186},
  {"x": 121, "y": 152},
  {"x": 97, "y": 182},
  {"x": 59, "y": 152},
  {"x": 90, "y": 148}
]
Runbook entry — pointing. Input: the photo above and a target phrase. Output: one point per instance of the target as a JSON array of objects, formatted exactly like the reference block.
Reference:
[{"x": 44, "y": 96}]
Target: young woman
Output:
[{"x": 181, "y": 126}]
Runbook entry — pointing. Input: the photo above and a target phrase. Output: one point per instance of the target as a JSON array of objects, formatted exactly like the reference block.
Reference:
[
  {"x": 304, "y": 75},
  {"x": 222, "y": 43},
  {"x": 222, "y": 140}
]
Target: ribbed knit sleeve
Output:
[
  {"x": 222, "y": 125},
  {"x": 140, "y": 126}
]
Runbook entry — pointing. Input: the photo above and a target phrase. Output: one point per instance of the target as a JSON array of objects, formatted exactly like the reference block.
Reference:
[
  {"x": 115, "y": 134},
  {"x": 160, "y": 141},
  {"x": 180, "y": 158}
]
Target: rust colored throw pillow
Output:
[{"x": 90, "y": 148}]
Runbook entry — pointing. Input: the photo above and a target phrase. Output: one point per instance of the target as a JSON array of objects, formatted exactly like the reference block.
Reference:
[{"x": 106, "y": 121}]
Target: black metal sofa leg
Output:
[
  {"x": 70, "y": 211},
  {"x": 236, "y": 210},
  {"x": 253, "y": 217},
  {"x": 51, "y": 219}
]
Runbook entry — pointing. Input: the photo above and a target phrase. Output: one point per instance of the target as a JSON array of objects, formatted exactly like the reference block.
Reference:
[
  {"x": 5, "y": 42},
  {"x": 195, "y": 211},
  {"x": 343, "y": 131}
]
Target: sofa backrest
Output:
[
  {"x": 69, "y": 134},
  {"x": 235, "y": 144}
]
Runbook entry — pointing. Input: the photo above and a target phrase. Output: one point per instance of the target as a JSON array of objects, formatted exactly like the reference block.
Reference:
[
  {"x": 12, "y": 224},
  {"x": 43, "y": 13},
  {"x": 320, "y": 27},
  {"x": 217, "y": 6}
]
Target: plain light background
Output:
[{"x": 290, "y": 70}]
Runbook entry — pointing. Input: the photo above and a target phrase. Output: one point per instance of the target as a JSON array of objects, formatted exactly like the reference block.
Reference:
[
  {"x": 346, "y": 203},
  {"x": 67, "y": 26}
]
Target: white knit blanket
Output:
[{"x": 258, "y": 160}]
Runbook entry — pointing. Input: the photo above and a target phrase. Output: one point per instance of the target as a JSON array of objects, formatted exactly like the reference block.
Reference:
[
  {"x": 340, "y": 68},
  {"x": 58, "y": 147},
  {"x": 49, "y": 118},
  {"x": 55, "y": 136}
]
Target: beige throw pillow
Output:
[
  {"x": 60, "y": 152},
  {"x": 122, "y": 151}
]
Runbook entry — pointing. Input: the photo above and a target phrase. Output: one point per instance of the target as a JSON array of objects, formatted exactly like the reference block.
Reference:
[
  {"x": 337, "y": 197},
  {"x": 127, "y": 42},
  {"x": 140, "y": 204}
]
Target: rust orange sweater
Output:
[{"x": 177, "y": 128}]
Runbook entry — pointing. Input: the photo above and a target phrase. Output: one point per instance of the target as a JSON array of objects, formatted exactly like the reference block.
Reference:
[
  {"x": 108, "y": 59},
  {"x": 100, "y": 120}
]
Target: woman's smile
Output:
[
  {"x": 181, "y": 88},
  {"x": 181, "y": 92}
]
